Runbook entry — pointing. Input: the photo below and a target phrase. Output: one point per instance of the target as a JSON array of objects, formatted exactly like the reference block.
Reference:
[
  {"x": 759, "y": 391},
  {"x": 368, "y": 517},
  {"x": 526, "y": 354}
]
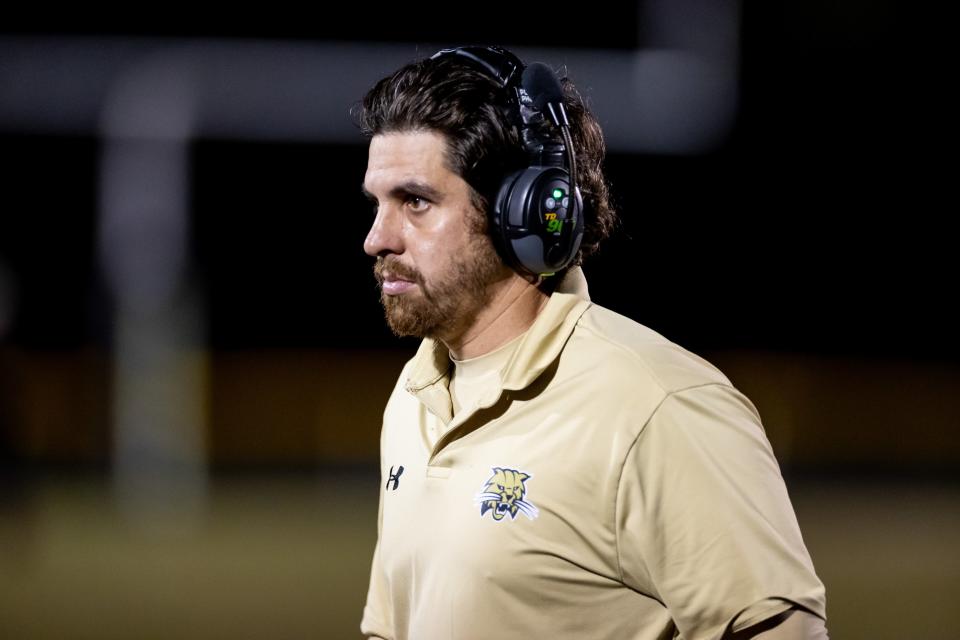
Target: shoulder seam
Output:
[
  {"x": 632, "y": 354},
  {"x": 639, "y": 360}
]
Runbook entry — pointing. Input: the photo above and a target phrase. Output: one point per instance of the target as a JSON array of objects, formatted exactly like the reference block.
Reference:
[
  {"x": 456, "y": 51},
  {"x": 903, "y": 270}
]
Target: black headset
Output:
[{"x": 537, "y": 219}]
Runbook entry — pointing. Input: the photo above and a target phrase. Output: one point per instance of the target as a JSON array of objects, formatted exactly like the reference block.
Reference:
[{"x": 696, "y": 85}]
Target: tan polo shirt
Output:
[
  {"x": 473, "y": 378},
  {"x": 613, "y": 485}
]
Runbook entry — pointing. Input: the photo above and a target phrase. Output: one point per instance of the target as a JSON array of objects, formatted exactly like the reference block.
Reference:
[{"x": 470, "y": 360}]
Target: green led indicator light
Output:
[{"x": 557, "y": 194}]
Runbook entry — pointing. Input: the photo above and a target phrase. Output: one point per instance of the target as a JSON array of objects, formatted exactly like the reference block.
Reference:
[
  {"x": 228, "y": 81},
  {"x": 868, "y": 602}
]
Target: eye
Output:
[{"x": 417, "y": 203}]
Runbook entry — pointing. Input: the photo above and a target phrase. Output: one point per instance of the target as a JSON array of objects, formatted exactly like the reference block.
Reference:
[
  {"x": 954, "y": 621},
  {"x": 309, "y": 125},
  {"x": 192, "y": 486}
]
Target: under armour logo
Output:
[{"x": 394, "y": 477}]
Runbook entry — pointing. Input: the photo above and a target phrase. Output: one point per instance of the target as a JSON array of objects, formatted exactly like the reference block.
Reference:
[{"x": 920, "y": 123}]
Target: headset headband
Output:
[
  {"x": 537, "y": 215},
  {"x": 499, "y": 63}
]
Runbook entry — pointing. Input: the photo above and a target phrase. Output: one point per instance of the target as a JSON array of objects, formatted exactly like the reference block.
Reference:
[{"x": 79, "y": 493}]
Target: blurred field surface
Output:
[{"x": 286, "y": 555}]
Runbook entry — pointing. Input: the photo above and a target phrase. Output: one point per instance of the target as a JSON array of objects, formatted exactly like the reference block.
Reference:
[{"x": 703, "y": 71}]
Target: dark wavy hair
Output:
[{"x": 470, "y": 109}]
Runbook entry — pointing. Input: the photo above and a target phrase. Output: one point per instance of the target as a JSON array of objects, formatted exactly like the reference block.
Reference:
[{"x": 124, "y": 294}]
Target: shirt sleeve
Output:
[
  {"x": 704, "y": 522},
  {"x": 377, "y": 621}
]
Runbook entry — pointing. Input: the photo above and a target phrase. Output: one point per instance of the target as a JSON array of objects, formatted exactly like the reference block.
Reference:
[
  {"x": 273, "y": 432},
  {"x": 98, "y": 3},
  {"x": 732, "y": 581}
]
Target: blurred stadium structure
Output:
[{"x": 193, "y": 363}]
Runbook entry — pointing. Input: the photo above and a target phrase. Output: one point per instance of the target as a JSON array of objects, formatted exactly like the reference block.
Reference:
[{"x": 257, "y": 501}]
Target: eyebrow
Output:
[{"x": 410, "y": 187}]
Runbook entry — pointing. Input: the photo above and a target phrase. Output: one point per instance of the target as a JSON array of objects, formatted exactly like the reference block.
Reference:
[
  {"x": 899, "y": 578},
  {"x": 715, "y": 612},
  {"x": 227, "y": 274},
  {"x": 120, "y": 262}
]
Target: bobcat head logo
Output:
[{"x": 503, "y": 494}]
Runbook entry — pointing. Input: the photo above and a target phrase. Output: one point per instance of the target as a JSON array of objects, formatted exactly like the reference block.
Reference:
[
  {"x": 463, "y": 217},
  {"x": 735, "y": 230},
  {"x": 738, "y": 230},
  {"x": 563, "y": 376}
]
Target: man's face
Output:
[{"x": 435, "y": 263}]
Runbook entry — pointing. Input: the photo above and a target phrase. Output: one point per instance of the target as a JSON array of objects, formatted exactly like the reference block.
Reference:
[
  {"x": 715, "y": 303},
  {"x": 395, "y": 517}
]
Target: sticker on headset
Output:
[{"x": 553, "y": 225}]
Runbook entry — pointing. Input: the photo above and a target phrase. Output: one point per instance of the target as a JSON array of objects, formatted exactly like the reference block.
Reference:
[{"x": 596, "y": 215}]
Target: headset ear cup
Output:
[
  {"x": 519, "y": 223},
  {"x": 532, "y": 236}
]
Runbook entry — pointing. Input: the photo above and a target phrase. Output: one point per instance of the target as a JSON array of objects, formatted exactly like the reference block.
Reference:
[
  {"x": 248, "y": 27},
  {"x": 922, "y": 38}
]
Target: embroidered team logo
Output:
[{"x": 503, "y": 494}]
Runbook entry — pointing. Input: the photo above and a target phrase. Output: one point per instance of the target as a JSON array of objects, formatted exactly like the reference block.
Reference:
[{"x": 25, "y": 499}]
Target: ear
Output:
[{"x": 523, "y": 476}]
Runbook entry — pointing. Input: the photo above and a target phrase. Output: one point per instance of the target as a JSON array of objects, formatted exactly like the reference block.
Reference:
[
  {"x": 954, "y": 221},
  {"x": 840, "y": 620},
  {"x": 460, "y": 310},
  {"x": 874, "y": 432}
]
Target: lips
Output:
[
  {"x": 394, "y": 277},
  {"x": 392, "y": 285}
]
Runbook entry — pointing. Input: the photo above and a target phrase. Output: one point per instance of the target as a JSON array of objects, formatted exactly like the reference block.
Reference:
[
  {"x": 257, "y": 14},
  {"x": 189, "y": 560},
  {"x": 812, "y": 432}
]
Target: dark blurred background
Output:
[{"x": 193, "y": 360}]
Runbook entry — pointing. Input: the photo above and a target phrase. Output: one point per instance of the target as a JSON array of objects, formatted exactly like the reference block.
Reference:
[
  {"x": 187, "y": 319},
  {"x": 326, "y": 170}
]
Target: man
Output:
[{"x": 549, "y": 468}]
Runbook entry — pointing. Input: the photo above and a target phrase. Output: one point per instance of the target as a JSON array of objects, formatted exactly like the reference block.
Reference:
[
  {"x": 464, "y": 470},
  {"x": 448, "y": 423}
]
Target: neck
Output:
[{"x": 514, "y": 305}]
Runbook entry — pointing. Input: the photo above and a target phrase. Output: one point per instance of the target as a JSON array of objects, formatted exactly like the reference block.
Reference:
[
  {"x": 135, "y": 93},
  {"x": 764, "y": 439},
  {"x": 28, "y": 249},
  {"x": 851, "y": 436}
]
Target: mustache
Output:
[{"x": 396, "y": 268}]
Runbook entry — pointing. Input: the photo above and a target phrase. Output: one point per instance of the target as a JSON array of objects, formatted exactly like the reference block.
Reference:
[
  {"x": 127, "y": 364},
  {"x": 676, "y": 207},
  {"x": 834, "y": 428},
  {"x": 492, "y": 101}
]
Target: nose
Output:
[{"x": 384, "y": 236}]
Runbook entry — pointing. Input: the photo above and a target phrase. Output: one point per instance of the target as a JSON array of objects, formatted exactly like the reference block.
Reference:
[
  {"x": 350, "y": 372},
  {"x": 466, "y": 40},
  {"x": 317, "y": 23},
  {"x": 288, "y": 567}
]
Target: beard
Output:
[{"x": 447, "y": 304}]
